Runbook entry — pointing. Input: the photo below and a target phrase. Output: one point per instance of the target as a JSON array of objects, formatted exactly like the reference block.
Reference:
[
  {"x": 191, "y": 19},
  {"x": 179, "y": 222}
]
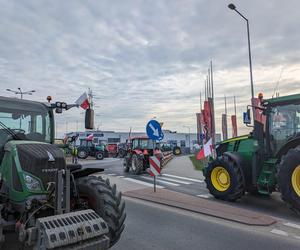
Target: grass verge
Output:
[{"x": 199, "y": 165}]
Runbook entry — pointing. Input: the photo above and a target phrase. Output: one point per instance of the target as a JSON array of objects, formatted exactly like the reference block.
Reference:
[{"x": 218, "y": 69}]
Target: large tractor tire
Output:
[
  {"x": 177, "y": 150},
  {"x": 82, "y": 153},
  {"x": 289, "y": 179},
  {"x": 126, "y": 164},
  {"x": 106, "y": 201},
  {"x": 99, "y": 155},
  {"x": 224, "y": 179},
  {"x": 136, "y": 165}
]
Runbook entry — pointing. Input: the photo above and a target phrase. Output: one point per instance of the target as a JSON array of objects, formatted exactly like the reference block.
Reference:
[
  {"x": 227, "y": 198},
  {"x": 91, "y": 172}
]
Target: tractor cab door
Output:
[{"x": 284, "y": 125}]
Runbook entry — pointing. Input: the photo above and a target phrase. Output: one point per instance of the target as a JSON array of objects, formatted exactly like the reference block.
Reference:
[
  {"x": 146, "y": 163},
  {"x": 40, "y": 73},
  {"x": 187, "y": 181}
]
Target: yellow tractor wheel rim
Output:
[
  {"x": 296, "y": 180},
  {"x": 220, "y": 179},
  {"x": 177, "y": 151}
]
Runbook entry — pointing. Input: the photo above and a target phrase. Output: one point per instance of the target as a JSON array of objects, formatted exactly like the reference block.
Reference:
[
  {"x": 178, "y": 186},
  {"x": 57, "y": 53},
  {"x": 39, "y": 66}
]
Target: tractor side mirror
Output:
[
  {"x": 247, "y": 117},
  {"x": 89, "y": 119}
]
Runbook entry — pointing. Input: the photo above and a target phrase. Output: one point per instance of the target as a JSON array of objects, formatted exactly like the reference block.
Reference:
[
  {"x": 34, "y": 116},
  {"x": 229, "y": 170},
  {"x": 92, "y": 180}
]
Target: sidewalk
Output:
[
  {"x": 182, "y": 166},
  {"x": 202, "y": 206}
]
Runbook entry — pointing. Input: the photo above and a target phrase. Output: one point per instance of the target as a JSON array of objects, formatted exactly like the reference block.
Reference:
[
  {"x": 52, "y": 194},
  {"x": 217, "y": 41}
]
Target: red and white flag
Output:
[
  {"x": 83, "y": 101},
  {"x": 205, "y": 151},
  {"x": 90, "y": 137}
]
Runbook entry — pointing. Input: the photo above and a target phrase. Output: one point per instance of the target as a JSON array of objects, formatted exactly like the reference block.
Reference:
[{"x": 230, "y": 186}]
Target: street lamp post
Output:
[
  {"x": 233, "y": 7},
  {"x": 20, "y": 92}
]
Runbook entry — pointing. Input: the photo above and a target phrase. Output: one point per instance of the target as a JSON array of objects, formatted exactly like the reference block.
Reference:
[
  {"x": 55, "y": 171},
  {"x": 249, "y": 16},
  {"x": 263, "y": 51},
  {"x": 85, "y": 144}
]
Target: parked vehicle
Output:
[
  {"x": 88, "y": 148},
  {"x": 137, "y": 158},
  {"x": 266, "y": 160},
  {"x": 43, "y": 200}
]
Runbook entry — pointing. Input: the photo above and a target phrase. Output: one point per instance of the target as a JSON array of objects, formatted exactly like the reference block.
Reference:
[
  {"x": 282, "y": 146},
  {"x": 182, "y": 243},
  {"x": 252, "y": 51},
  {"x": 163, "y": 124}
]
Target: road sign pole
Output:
[{"x": 154, "y": 183}]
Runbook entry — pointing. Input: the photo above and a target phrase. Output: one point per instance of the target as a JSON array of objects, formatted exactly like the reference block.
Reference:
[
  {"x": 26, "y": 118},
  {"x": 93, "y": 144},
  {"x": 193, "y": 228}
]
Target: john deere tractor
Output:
[
  {"x": 45, "y": 202},
  {"x": 266, "y": 160}
]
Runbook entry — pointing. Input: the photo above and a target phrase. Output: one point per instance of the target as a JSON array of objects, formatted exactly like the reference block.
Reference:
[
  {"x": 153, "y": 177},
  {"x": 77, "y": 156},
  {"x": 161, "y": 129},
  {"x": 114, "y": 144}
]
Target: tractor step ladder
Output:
[{"x": 266, "y": 178}]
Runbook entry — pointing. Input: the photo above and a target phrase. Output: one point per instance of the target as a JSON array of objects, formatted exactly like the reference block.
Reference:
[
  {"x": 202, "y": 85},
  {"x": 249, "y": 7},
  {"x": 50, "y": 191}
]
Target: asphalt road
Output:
[
  {"x": 271, "y": 205},
  {"x": 150, "y": 226}
]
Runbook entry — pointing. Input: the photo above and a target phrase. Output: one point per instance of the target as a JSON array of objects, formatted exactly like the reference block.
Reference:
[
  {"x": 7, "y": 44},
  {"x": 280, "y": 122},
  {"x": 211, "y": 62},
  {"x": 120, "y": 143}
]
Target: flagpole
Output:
[{"x": 213, "y": 108}]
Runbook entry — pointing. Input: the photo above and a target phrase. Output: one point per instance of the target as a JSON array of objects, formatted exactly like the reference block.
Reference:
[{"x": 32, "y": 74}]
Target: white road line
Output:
[
  {"x": 288, "y": 224},
  {"x": 120, "y": 176},
  {"x": 142, "y": 183},
  {"x": 111, "y": 174},
  {"x": 163, "y": 182},
  {"x": 279, "y": 232},
  {"x": 297, "y": 237},
  {"x": 183, "y": 178},
  {"x": 177, "y": 181},
  {"x": 206, "y": 196}
]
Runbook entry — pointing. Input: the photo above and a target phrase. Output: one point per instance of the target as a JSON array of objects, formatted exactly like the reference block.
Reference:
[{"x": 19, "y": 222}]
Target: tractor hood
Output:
[{"x": 41, "y": 160}]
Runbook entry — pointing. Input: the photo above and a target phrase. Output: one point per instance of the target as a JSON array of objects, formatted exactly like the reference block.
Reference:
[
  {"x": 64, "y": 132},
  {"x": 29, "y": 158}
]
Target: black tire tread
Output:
[
  {"x": 239, "y": 189},
  {"x": 110, "y": 205}
]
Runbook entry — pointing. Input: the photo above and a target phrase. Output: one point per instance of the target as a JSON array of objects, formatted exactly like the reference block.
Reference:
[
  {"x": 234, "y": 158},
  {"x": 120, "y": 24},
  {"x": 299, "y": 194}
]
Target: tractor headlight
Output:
[{"x": 31, "y": 183}]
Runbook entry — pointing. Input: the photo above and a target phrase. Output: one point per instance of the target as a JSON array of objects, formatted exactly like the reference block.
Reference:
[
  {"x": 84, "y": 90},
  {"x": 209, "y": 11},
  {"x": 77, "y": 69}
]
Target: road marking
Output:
[
  {"x": 142, "y": 183},
  {"x": 279, "y": 232},
  {"x": 111, "y": 174},
  {"x": 183, "y": 178},
  {"x": 163, "y": 182},
  {"x": 206, "y": 196},
  {"x": 177, "y": 181},
  {"x": 120, "y": 176},
  {"x": 288, "y": 224}
]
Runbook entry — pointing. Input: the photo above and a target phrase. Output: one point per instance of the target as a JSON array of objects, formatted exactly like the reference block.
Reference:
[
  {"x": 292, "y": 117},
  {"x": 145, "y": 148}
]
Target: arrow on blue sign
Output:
[{"x": 154, "y": 130}]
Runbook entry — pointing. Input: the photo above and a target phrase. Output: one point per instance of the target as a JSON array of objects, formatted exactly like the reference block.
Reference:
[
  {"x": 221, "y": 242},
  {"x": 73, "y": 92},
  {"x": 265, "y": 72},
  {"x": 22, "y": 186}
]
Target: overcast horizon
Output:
[{"x": 146, "y": 59}]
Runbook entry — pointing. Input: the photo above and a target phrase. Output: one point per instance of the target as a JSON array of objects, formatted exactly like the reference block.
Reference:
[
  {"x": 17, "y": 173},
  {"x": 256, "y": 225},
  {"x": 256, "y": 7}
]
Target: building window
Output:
[
  {"x": 113, "y": 140},
  {"x": 182, "y": 143}
]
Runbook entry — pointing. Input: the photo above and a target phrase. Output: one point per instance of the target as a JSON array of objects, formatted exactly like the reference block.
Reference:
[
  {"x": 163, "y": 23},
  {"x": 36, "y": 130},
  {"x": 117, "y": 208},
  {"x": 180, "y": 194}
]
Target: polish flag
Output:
[
  {"x": 205, "y": 151},
  {"x": 83, "y": 101},
  {"x": 90, "y": 137}
]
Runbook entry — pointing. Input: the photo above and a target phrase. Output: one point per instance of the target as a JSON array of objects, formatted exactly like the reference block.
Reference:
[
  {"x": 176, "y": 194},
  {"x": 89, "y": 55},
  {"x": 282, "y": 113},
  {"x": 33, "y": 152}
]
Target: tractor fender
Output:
[
  {"x": 78, "y": 171},
  {"x": 293, "y": 143},
  {"x": 244, "y": 165}
]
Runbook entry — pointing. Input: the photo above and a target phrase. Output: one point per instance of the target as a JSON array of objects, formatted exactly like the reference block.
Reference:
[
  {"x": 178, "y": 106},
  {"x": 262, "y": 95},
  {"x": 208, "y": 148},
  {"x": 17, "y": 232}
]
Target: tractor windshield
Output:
[
  {"x": 284, "y": 124},
  {"x": 33, "y": 125}
]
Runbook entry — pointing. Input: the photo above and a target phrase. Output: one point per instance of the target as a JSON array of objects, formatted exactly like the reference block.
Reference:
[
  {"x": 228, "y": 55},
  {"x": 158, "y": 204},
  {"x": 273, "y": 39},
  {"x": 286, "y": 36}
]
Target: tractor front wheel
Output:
[
  {"x": 289, "y": 179},
  {"x": 224, "y": 179},
  {"x": 99, "y": 155},
  {"x": 97, "y": 194}
]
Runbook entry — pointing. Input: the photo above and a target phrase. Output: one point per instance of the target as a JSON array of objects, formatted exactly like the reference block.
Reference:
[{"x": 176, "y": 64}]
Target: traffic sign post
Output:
[{"x": 154, "y": 168}]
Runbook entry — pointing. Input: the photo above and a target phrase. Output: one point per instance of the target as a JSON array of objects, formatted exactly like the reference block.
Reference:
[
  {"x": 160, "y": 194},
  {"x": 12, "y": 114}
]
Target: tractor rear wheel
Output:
[
  {"x": 224, "y": 179},
  {"x": 289, "y": 179},
  {"x": 106, "y": 201},
  {"x": 136, "y": 164},
  {"x": 176, "y": 150},
  {"x": 126, "y": 165}
]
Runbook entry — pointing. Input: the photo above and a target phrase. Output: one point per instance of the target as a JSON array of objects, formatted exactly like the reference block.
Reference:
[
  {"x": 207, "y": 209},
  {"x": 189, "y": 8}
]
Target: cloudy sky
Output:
[{"x": 146, "y": 59}]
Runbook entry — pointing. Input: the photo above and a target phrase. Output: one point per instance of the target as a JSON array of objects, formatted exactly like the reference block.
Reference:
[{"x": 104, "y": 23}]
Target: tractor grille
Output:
[{"x": 41, "y": 160}]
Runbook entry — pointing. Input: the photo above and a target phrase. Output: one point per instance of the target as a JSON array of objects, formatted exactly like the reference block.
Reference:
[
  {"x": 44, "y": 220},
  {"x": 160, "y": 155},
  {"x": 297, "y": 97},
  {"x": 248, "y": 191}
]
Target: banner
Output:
[
  {"x": 234, "y": 126},
  {"x": 224, "y": 126}
]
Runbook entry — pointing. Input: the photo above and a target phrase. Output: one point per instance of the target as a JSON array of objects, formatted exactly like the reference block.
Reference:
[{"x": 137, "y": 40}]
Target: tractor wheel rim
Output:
[
  {"x": 296, "y": 180},
  {"x": 220, "y": 178},
  {"x": 81, "y": 154},
  {"x": 177, "y": 151}
]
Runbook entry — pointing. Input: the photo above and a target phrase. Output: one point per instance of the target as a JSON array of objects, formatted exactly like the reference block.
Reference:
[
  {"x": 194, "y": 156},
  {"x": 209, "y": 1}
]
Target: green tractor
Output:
[
  {"x": 266, "y": 160},
  {"x": 45, "y": 202}
]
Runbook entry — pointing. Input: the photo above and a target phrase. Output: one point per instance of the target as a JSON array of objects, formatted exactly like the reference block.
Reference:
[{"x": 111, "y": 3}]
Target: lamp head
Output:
[{"x": 231, "y": 6}]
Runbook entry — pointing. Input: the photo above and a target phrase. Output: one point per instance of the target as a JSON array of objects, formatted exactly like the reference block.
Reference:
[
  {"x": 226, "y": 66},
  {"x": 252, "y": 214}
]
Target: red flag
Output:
[
  {"x": 83, "y": 101},
  {"x": 224, "y": 126},
  {"x": 205, "y": 151},
  {"x": 234, "y": 126}
]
